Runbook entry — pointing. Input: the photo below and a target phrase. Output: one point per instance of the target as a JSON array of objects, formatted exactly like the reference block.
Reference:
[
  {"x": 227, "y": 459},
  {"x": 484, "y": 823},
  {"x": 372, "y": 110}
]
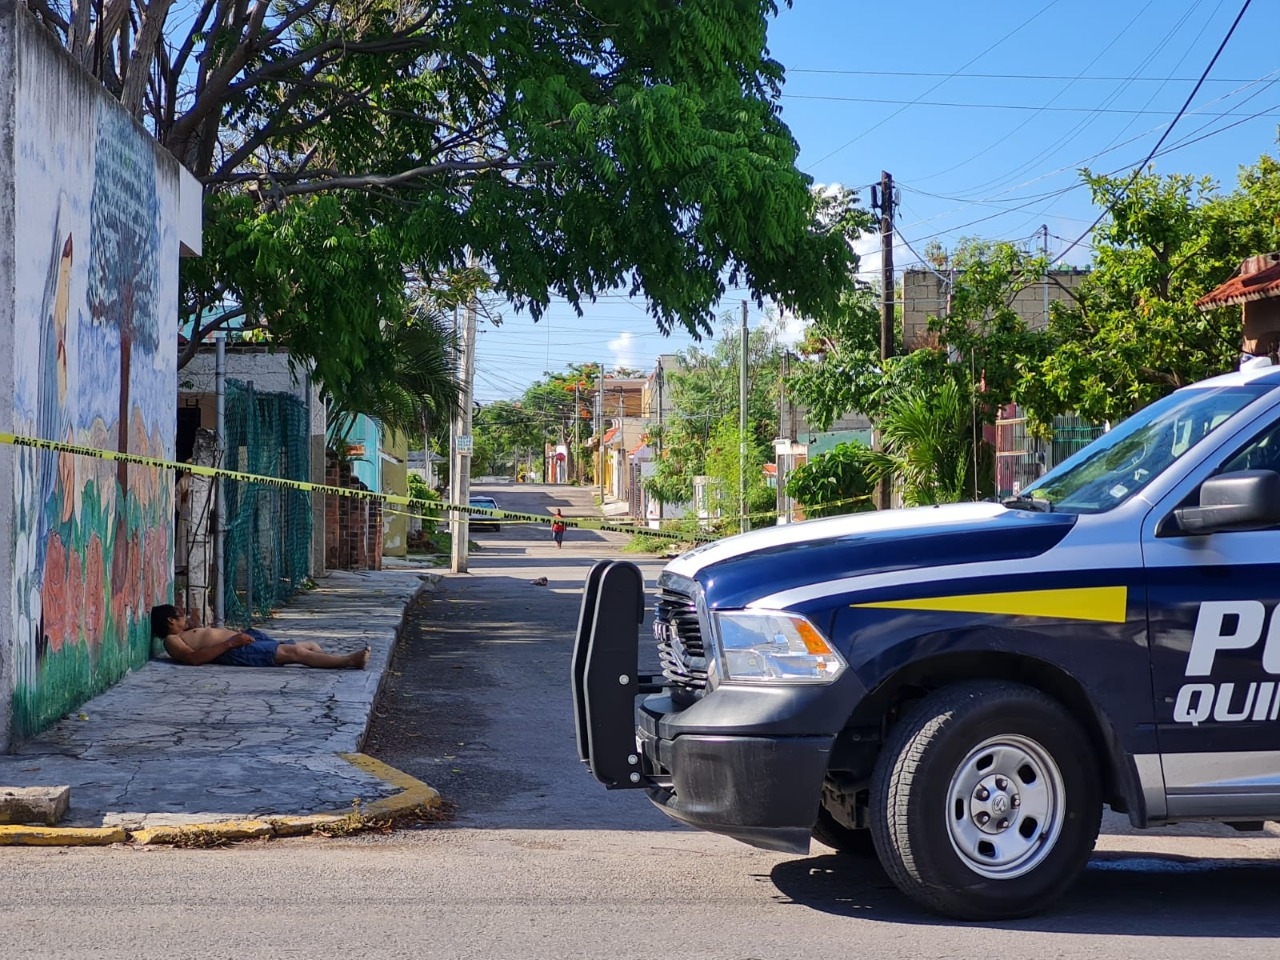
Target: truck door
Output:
[{"x": 1215, "y": 648}]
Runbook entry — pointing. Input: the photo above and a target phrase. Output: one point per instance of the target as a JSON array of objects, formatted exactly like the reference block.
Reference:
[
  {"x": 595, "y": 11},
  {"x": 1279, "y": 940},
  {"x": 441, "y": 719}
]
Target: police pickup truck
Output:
[{"x": 961, "y": 688}]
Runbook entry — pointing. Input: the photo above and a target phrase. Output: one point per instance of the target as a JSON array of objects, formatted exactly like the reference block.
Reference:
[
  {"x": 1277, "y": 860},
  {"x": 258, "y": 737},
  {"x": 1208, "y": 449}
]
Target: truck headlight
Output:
[{"x": 768, "y": 647}]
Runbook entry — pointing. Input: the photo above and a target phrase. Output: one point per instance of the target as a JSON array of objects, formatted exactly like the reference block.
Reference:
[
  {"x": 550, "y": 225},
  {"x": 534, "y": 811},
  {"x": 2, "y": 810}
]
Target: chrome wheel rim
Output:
[{"x": 1005, "y": 807}]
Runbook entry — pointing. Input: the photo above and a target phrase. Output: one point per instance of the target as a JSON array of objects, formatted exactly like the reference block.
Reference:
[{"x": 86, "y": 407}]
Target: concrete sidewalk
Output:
[{"x": 174, "y": 752}]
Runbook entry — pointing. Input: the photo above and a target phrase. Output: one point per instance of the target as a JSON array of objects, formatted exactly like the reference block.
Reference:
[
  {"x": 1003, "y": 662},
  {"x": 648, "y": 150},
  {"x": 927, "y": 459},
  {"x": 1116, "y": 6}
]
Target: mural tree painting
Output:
[
  {"x": 123, "y": 272},
  {"x": 600, "y": 144},
  {"x": 95, "y": 319}
]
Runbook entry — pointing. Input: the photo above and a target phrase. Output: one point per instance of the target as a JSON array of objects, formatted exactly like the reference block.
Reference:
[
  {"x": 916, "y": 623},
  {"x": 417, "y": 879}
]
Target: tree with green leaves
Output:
[
  {"x": 705, "y": 398},
  {"x": 724, "y": 464},
  {"x": 841, "y": 481},
  {"x": 506, "y": 433},
  {"x": 569, "y": 146},
  {"x": 1133, "y": 332},
  {"x": 932, "y": 445},
  {"x": 935, "y": 399},
  {"x": 415, "y": 390},
  {"x": 981, "y": 332}
]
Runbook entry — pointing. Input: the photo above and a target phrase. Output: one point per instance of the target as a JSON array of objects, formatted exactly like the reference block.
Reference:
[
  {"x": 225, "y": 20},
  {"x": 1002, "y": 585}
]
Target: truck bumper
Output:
[
  {"x": 761, "y": 790},
  {"x": 745, "y": 762}
]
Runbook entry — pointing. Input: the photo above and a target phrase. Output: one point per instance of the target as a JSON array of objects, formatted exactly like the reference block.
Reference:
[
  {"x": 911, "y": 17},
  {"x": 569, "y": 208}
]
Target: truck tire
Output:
[
  {"x": 847, "y": 840},
  {"x": 985, "y": 801}
]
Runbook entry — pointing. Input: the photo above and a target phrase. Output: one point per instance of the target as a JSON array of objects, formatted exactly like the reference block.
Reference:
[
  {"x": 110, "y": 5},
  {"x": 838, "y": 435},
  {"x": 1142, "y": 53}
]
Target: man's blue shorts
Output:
[{"x": 260, "y": 653}]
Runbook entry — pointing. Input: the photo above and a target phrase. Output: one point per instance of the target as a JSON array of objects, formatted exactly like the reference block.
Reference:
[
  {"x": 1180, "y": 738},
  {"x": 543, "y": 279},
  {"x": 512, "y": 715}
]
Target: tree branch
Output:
[
  {"x": 397, "y": 44},
  {"x": 269, "y": 131},
  {"x": 198, "y": 333},
  {"x": 211, "y": 94},
  {"x": 188, "y": 45},
  {"x": 78, "y": 34},
  {"x": 285, "y": 183},
  {"x": 50, "y": 16},
  {"x": 137, "y": 70}
]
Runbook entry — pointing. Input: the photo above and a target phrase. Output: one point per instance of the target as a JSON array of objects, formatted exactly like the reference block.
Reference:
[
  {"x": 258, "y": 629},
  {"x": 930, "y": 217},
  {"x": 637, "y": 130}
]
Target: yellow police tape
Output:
[{"x": 427, "y": 507}]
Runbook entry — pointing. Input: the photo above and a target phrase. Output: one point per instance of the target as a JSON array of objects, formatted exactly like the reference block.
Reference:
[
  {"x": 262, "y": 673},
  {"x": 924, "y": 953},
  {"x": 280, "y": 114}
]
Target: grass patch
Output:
[
  {"x": 353, "y": 822},
  {"x": 357, "y": 821},
  {"x": 640, "y": 543},
  {"x": 199, "y": 838}
]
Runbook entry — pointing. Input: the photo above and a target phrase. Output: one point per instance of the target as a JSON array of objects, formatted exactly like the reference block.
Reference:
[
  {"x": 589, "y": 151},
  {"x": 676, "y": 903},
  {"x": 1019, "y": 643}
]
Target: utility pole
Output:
[
  {"x": 600, "y": 437},
  {"x": 661, "y": 375},
  {"x": 884, "y": 495},
  {"x": 782, "y": 503},
  {"x": 1044, "y": 251},
  {"x": 460, "y": 472},
  {"x": 743, "y": 523},
  {"x": 886, "y": 265},
  {"x": 577, "y": 419}
]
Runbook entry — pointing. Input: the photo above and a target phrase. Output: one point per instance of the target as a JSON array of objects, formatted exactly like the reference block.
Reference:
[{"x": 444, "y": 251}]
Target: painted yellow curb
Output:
[
  {"x": 19, "y": 836},
  {"x": 414, "y": 795},
  {"x": 224, "y": 830}
]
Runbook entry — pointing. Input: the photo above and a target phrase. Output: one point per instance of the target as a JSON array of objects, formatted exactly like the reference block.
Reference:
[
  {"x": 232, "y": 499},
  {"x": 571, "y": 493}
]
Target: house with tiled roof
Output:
[{"x": 1256, "y": 289}]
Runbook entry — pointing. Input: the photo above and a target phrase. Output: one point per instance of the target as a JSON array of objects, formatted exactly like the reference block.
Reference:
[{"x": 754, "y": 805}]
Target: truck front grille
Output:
[{"x": 679, "y": 636}]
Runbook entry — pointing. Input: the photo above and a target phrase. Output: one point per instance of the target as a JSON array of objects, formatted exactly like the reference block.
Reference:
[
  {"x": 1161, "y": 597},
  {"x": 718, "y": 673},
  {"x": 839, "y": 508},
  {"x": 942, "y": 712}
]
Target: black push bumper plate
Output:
[{"x": 604, "y": 673}]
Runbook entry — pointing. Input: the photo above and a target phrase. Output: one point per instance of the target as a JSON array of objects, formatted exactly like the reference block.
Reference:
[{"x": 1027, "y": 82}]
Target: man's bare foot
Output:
[{"x": 359, "y": 660}]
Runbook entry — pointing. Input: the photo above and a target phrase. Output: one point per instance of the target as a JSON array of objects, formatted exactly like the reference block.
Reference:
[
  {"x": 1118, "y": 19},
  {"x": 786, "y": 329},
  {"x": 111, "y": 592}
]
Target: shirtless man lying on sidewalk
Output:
[{"x": 188, "y": 643}]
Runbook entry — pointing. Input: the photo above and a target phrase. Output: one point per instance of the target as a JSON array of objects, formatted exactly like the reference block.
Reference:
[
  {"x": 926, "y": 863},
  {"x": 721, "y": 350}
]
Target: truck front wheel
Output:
[{"x": 985, "y": 802}]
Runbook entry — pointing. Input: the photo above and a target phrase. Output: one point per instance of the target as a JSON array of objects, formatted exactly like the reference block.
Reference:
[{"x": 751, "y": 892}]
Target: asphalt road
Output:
[{"x": 541, "y": 862}]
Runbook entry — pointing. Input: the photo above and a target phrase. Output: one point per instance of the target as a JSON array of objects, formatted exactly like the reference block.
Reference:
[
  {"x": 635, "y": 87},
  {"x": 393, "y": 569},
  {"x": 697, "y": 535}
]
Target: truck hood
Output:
[{"x": 739, "y": 569}]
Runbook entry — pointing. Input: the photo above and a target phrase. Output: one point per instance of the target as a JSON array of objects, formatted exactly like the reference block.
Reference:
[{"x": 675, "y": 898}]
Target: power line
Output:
[
  {"x": 1028, "y": 120},
  {"x": 1003, "y": 106},
  {"x": 1107, "y": 102},
  {"x": 959, "y": 75},
  {"x": 1137, "y": 172},
  {"x": 1043, "y": 10},
  {"x": 1021, "y": 202}
]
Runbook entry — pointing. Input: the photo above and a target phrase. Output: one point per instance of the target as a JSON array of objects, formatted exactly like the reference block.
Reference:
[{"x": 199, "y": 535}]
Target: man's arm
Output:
[{"x": 181, "y": 652}]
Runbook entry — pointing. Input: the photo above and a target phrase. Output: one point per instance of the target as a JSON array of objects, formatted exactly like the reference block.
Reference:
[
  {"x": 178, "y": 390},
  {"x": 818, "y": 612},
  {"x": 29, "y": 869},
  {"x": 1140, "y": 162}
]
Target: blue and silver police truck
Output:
[{"x": 960, "y": 689}]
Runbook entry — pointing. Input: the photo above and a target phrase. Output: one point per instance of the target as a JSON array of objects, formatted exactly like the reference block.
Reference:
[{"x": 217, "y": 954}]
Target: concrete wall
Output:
[
  {"x": 8, "y": 250},
  {"x": 924, "y": 295},
  {"x": 88, "y": 325},
  {"x": 395, "y": 479}
]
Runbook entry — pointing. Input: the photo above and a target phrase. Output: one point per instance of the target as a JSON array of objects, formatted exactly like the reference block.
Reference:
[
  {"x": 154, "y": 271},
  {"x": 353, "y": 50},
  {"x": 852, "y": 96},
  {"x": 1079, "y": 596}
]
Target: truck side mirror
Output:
[{"x": 1243, "y": 500}]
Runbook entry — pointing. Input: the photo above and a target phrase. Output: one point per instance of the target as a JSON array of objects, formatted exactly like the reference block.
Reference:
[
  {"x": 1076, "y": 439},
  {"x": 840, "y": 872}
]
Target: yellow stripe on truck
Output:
[{"x": 1097, "y": 604}]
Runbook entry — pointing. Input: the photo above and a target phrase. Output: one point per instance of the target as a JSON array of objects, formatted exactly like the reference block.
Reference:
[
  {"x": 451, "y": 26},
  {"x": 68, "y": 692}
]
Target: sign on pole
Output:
[{"x": 464, "y": 445}]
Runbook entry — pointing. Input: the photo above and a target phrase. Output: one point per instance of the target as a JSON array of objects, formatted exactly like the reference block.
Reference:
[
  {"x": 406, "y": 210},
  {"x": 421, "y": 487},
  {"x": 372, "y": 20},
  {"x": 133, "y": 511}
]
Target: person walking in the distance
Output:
[
  {"x": 557, "y": 528},
  {"x": 189, "y": 643}
]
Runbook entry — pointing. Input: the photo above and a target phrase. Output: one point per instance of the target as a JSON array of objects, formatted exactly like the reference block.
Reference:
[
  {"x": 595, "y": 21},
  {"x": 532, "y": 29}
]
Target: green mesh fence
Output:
[
  {"x": 268, "y": 529},
  {"x": 1071, "y": 434}
]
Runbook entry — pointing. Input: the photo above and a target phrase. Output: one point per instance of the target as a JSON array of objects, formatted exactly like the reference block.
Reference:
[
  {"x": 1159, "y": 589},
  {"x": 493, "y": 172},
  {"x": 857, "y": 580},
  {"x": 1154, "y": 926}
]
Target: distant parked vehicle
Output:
[{"x": 479, "y": 520}]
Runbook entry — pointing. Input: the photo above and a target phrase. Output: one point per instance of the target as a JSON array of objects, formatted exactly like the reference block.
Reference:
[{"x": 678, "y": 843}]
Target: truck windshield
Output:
[{"x": 1124, "y": 460}]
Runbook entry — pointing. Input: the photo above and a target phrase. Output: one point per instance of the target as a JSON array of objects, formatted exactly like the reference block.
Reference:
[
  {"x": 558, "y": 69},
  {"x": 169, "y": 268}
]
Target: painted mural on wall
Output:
[{"x": 97, "y": 303}]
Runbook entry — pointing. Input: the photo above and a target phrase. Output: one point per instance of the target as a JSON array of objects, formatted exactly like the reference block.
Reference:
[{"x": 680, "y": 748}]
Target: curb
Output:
[{"x": 414, "y": 796}]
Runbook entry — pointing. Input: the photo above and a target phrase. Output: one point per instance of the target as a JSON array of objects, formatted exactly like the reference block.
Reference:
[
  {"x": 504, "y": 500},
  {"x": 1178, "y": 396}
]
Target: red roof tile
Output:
[
  {"x": 609, "y": 435},
  {"x": 1263, "y": 284}
]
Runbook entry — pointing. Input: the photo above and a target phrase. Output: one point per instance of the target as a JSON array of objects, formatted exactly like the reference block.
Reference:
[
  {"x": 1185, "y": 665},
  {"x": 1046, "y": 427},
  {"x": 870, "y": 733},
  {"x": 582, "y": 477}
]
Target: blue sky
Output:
[{"x": 983, "y": 112}]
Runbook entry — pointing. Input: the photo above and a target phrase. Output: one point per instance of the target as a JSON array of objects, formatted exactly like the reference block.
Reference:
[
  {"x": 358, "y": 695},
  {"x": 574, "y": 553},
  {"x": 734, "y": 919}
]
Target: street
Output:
[{"x": 540, "y": 861}]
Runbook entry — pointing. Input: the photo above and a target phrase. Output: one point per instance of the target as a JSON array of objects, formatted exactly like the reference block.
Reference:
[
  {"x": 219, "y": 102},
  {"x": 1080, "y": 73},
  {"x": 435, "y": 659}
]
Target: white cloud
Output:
[
  {"x": 790, "y": 328},
  {"x": 626, "y": 349},
  {"x": 867, "y": 247}
]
